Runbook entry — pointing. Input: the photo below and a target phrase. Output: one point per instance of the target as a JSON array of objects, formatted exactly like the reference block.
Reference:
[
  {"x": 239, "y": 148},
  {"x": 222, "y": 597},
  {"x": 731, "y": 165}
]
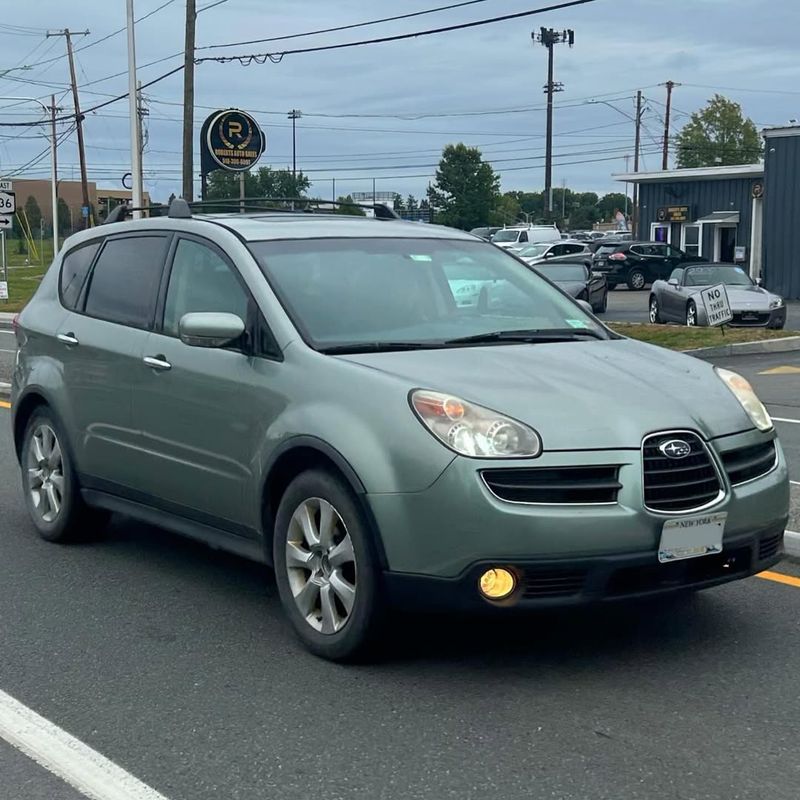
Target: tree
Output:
[
  {"x": 411, "y": 204},
  {"x": 718, "y": 135},
  {"x": 264, "y": 182},
  {"x": 611, "y": 202},
  {"x": 398, "y": 204},
  {"x": 350, "y": 207},
  {"x": 64, "y": 219},
  {"x": 465, "y": 189},
  {"x": 34, "y": 215},
  {"x": 506, "y": 210}
]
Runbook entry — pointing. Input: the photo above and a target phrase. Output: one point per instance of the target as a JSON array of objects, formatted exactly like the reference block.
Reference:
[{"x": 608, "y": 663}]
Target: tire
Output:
[
  {"x": 655, "y": 311},
  {"x": 691, "y": 314},
  {"x": 50, "y": 484},
  {"x": 637, "y": 280},
  {"x": 612, "y": 286},
  {"x": 317, "y": 609},
  {"x": 602, "y": 306}
]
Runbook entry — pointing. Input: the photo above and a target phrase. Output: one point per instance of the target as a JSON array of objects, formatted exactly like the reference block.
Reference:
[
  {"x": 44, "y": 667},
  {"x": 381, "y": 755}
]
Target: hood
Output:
[
  {"x": 746, "y": 297},
  {"x": 577, "y": 395}
]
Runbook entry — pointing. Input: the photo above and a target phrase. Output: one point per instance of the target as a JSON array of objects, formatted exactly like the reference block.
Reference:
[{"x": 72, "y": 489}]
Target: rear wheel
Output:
[
  {"x": 602, "y": 306},
  {"x": 691, "y": 314},
  {"x": 325, "y": 567},
  {"x": 655, "y": 311},
  {"x": 49, "y": 480},
  {"x": 636, "y": 280}
]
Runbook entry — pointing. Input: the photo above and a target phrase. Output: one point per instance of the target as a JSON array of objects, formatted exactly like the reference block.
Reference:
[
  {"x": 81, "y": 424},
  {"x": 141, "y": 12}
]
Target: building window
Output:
[
  {"x": 692, "y": 239},
  {"x": 660, "y": 233}
]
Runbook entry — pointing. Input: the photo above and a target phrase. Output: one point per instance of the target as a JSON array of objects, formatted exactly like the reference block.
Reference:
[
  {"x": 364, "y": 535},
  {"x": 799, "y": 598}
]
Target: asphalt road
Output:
[
  {"x": 176, "y": 663},
  {"x": 8, "y": 347},
  {"x": 625, "y": 306}
]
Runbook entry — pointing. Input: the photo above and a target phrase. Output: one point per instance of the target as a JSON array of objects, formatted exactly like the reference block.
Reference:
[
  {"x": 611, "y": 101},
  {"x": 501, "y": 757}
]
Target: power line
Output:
[
  {"x": 275, "y": 58},
  {"x": 344, "y": 27}
]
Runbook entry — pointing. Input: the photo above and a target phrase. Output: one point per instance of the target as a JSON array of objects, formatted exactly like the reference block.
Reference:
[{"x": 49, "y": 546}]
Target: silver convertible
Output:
[{"x": 678, "y": 299}]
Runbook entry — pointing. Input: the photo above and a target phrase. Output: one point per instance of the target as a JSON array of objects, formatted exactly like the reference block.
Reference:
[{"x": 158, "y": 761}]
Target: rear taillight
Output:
[{"x": 617, "y": 257}]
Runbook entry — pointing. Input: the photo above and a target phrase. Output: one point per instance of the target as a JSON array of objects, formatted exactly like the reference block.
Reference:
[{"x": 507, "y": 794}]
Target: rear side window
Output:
[
  {"x": 74, "y": 270},
  {"x": 124, "y": 282}
]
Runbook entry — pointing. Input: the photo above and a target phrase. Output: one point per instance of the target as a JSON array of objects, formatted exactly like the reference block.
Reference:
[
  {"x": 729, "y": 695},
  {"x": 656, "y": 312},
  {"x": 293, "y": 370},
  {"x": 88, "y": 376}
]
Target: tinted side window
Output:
[
  {"x": 74, "y": 270},
  {"x": 125, "y": 280},
  {"x": 201, "y": 280},
  {"x": 523, "y": 237},
  {"x": 677, "y": 275}
]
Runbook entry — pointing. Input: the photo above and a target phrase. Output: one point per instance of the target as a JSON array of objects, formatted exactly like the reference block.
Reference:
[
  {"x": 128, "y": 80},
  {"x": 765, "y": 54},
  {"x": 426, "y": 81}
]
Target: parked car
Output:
[
  {"x": 304, "y": 390},
  {"x": 520, "y": 235},
  {"x": 678, "y": 299},
  {"x": 535, "y": 253},
  {"x": 484, "y": 233},
  {"x": 638, "y": 263},
  {"x": 578, "y": 280}
]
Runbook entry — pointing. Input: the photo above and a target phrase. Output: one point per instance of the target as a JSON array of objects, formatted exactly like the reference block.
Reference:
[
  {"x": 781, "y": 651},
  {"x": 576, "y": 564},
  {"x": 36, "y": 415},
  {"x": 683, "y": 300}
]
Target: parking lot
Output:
[{"x": 176, "y": 663}]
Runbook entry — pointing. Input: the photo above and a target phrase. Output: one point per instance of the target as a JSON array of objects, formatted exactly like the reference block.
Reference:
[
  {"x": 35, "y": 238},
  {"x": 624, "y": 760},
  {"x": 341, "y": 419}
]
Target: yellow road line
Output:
[
  {"x": 779, "y": 577},
  {"x": 781, "y": 371},
  {"x": 3, "y": 404}
]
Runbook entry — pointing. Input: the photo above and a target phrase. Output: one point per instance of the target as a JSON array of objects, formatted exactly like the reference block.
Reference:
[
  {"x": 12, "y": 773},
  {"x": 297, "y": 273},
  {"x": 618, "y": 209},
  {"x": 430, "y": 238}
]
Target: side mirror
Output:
[
  {"x": 210, "y": 329},
  {"x": 548, "y": 255},
  {"x": 585, "y": 306},
  {"x": 674, "y": 282}
]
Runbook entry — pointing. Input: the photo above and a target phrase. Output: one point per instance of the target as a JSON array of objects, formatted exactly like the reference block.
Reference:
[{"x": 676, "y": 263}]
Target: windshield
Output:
[
  {"x": 572, "y": 273},
  {"x": 506, "y": 236},
  {"x": 711, "y": 276},
  {"x": 422, "y": 291},
  {"x": 533, "y": 251},
  {"x": 605, "y": 249}
]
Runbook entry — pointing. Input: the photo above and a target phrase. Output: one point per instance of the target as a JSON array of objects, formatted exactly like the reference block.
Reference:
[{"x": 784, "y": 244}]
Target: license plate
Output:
[
  {"x": 749, "y": 317},
  {"x": 691, "y": 537}
]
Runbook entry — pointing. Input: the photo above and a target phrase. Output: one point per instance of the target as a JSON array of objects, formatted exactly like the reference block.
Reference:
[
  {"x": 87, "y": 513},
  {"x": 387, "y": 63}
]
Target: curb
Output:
[
  {"x": 787, "y": 344},
  {"x": 791, "y": 544}
]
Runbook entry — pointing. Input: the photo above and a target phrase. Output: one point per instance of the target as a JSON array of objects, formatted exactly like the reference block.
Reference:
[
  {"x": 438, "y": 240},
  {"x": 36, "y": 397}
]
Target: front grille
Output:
[
  {"x": 749, "y": 318},
  {"x": 678, "y": 484},
  {"x": 559, "y": 485},
  {"x": 770, "y": 546},
  {"x": 544, "y": 583},
  {"x": 655, "y": 577},
  {"x": 751, "y": 462}
]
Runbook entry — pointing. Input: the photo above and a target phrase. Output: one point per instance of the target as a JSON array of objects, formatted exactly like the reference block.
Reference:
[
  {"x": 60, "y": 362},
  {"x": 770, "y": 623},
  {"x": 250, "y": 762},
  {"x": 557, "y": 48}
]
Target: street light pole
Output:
[{"x": 53, "y": 147}]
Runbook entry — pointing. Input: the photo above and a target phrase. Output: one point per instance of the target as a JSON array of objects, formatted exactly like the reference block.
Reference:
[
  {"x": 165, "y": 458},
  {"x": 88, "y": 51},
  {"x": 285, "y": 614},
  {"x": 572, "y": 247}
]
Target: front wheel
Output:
[
  {"x": 636, "y": 280},
  {"x": 655, "y": 311},
  {"x": 326, "y": 568},
  {"x": 691, "y": 314}
]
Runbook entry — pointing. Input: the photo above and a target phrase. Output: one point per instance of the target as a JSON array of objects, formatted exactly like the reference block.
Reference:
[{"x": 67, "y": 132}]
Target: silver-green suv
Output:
[{"x": 306, "y": 390}]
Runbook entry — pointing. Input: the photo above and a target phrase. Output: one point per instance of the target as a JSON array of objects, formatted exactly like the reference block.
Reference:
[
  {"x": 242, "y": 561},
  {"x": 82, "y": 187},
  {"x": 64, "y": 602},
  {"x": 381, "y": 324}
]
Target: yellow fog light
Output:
[{"x": 497, "y": 583}]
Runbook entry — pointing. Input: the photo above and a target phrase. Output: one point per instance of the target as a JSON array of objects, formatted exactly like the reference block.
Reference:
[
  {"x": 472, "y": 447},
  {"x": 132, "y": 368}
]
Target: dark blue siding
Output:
[
  {"x": 706, "y": 197},
  {"x": 782, "y": 215}
]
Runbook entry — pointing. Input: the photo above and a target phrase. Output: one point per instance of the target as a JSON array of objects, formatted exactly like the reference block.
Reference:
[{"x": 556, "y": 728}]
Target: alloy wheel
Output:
[
  {"x": 321, "y": 565},
  {"x": 637, "y": 280},
  {"x": 691, "y": 315},
  {"x": 45, "y": 465},
  {"x": 654, "y": 311}
]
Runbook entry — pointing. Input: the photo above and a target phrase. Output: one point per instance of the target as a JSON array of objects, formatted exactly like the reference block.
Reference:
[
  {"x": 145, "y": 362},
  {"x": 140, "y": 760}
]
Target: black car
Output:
[
  {"x": 485, "y": 233},
  {"x": 577, "y": 278},
  {"x": 638, "y": 263}
]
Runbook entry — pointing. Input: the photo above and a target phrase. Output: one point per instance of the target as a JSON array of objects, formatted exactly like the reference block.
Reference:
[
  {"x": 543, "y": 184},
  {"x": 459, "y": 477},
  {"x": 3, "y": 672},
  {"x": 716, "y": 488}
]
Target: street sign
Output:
[
  {"x": 8, "y": 202},
  {"x": 718, "y": 308},
  {"x": 5, "y": 222},
  {"x": 5, "y": 186},
  {"x": 3, "y": 290}
]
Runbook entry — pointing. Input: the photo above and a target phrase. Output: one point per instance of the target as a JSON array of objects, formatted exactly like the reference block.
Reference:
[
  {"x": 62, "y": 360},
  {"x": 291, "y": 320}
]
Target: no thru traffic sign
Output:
[{"x": 718, "y": 308}]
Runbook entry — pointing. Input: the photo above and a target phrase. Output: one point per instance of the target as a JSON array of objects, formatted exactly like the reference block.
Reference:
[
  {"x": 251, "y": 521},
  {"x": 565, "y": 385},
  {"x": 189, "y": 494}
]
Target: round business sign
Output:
[
  {"x": 235, "y": 141},
  {"x": 758, "y": 189}
]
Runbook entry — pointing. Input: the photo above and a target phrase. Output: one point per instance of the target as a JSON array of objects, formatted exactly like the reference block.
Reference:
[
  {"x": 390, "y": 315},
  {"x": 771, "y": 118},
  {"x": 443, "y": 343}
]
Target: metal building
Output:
[{"x": 744, "y": 214}]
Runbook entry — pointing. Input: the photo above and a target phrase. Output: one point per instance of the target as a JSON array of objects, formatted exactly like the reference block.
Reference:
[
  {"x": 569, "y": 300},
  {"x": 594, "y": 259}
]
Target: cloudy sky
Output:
[{"x": 385, "y": 111}]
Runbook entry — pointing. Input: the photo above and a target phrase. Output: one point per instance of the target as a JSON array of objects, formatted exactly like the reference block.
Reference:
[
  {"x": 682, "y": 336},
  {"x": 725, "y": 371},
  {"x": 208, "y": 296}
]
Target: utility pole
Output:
[
  {"x": 188, "y": 102},
  {"x": 670, "y": 86},
  {"x": 548, "y": 38},
  {"x": 294, "y": 115},
  {"x": 68, "y": 34},
  {"x": 627, "y": 169},
  {"x": 135, "y": 119},
  {"x": 636, "y": 153},
  {"x": 141, "y": 112}
]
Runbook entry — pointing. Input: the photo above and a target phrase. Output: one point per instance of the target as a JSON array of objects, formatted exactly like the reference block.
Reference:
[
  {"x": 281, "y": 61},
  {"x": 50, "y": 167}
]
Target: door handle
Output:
[
  {"x": 67, "y": 338},
  {"x": 157, "y": 362}
]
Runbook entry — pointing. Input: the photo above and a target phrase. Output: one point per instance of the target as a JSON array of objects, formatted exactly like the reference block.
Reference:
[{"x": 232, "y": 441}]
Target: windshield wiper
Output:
[
  {"x": 529, "y": 336},
  {"x": 377, "y": 347}
]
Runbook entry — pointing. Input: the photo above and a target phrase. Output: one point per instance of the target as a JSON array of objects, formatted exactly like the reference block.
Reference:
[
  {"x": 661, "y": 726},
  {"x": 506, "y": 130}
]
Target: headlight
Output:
[
  {"x": 472, "y": 430},
  {"x": 776, "y": 302},
  {"x": 745, "y": 394}
]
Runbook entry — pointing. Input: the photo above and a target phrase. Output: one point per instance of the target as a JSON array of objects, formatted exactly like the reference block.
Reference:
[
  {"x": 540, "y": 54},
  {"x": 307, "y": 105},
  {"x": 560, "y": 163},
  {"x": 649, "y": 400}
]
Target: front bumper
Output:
[
  {"x": 440, "y": 539},
  {"x": 772, "y": 318}
]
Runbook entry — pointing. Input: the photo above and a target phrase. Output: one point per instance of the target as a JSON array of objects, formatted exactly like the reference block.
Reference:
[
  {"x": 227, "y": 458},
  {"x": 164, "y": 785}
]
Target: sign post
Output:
[
  {"x": 4, "y": 282},
  {"x": 231, "y": 140},
  {"x": 717, "y": 306}
]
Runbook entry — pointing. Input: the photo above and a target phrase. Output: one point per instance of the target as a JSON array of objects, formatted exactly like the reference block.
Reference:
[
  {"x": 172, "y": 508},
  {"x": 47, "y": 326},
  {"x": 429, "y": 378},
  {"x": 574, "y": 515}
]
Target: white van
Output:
[{"x": 519, "y": 236}]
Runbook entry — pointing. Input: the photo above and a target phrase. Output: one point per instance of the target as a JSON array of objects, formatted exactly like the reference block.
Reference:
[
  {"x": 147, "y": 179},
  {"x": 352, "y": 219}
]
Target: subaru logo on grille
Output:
[{"x": 675, "y": 448}]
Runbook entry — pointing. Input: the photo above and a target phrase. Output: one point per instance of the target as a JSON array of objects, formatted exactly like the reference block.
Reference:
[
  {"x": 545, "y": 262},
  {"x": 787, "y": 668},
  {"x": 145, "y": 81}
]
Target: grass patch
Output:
[
  {"x": 678, "y": 337},
  {"x": 23, "y": 279}
]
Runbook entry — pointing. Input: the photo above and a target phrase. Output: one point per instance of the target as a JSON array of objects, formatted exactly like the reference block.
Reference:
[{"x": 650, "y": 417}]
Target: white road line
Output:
[
  {"x": 795, "y": 483},
  {"x": 92, "y": 774},
  {"x": 793, "y": 421},
  {"x": 7, "y": 351}
]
